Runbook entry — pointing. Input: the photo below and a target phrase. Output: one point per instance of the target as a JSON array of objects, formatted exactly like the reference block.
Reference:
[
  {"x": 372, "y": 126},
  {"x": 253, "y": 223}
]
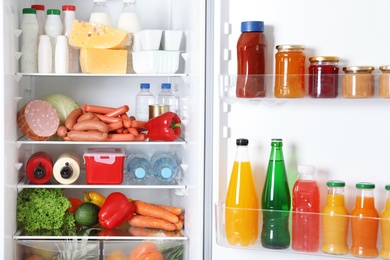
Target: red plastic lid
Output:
[
  {"x": 68, "y": 8},
  {"x": 38, "y": 7}
]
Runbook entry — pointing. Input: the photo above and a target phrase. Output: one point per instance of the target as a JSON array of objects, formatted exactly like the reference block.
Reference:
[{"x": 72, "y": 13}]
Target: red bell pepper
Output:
[
  {"x": 115, "y": 211},
  {"x": 165, "y": 127}
]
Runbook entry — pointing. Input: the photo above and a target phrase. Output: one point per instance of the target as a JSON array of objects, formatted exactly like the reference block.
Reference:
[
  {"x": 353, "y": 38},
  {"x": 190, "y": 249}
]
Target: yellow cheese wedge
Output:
[
  {"x": 103, "y": 61},
  {"x": 88, "y": 35}
]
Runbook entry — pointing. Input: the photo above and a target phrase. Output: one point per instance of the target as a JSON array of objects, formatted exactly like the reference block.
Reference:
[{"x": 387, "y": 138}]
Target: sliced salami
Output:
[{"x": 38, "y": 120}]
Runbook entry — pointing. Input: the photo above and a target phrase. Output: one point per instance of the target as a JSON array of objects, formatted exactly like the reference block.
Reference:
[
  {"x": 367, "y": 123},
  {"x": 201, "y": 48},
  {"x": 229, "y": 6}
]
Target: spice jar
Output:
[
  {"x": 323, "y": 76},
  {"x": 358, "y": 82},
  {"x": 289, "y": 71},
  {"x": 384, "y": 82}
]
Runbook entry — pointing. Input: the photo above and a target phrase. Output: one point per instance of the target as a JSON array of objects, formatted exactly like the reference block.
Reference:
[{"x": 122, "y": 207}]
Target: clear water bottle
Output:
[
  {"x": 164, "y": 166},
  {"x": 166, "y": 97},
  {"x": 138, "y": 168},
  {"x": 143, "y": 99}
]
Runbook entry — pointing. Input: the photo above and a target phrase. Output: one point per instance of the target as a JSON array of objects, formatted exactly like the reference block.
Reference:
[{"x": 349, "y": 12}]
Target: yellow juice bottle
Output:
[{"x": 385, "y": 227}]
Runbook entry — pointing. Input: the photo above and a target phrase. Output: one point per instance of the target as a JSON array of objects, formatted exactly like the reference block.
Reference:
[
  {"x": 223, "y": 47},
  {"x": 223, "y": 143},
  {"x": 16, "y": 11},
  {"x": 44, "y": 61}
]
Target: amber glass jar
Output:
[
  {"x": 290, "y": 71},
  {"x": 358, "y": 82},
  {"x": 384, "y": 82},
  {"x": 323, "y": 76}
]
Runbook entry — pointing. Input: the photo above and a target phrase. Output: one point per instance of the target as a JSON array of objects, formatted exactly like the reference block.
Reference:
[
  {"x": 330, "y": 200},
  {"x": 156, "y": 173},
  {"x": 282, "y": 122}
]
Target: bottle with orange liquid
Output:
[
  {"x": 364, "y": 222},
  {"x": 241, "y": 212},
  {"x": 385, "y": 226},
  {"x": 305, "y": 213},
  {"x": 335, "y": 220}
]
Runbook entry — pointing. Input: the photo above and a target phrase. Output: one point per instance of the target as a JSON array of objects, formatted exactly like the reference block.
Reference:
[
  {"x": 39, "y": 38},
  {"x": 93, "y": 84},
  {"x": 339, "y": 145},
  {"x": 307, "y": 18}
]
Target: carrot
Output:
[
  {"x": 144, "y": 251},
  {"x": 147, "y": 209},
  {"x": 115, "y": 126},
  {"x": 97, "y": 109},
  {"x": 173, "y": 209},
  {"x": 118, "y": 111},
  {"x": 71, "y": 119},
  {"x": 91, "y": 125},
  {"x": 108, "y": 119},
  {"x": 120, "y": 137},
  {"x": 151, "y": 222},
  {"x": 151, "y": 232}
]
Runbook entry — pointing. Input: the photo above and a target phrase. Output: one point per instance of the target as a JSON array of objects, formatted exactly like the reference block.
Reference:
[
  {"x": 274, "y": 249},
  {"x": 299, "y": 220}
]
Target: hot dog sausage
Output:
[
  {"x": 88, "y": 136},
  {"x": 120, "y": 137},
  {"x": 91, "y": 125},
  {"x": 72, "y": 118},
  {"x": 62, "y": 131},
  {"x": 118, "y": 111},
  {"x": 86, "y": 116},
  {"x": 97, "y": 109}
]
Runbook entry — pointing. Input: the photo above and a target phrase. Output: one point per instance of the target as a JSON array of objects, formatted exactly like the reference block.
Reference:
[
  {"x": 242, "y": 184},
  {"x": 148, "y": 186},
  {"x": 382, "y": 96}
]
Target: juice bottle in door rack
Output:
[
  {"x": 241, "y": 200},
  {"x": 335, "y": 220},
  {"x": 364, "y": 222},
  {"x": 385, "y": 226},
  {"x": 306, "y": 209},
  {"x": 275, "y": 201}
]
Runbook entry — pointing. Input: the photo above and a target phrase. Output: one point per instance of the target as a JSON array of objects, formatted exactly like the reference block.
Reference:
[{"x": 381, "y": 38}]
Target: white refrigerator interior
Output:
[
  {"x": 345, "y": 139},
  {"x": 114, "y": 91}
]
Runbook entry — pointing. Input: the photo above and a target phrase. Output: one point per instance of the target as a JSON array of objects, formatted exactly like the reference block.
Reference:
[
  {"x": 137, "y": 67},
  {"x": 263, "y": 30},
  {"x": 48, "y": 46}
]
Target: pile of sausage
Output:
[{"x": 99, "y": 123}]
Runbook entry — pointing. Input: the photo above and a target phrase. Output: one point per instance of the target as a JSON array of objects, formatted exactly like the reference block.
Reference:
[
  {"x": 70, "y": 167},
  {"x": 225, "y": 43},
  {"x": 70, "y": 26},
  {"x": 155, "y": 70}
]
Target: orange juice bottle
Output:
[
  {"x": 242, "y": 203},
  {"x": 385, "y": 227},
  {"x": 364, "y": 222},
  {"x": 335, "y": 220}
]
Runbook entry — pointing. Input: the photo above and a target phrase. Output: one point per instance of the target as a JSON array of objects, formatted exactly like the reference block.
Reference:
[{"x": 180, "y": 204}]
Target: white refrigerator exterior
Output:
[
  {"x": 109, "y": 90},
  {"x": 344, "y": 139}
]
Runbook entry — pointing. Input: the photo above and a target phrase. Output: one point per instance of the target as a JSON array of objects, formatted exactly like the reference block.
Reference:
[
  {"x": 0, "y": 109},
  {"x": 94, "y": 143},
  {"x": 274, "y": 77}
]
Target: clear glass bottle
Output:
[
  {"x": 335, "y": 220},
  {"x": 242, "y": 204},
  {"x": 143, "y": 99},
  {"x": 276, "y": 201},
  {"x": 29, "y": 43},
  {"x": 100, "y": 14},
  {"x": 323, "y": 76},
  {"x": 358, "y": 82},
  {"x": 166, "y": 97},
  {"x": 385, "y": 226}
]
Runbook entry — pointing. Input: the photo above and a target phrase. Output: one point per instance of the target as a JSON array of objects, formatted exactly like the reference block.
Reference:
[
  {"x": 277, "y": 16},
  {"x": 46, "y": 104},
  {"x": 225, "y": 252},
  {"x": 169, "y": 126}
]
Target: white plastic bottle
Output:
[
  {"x": 53, "y": 28},
  {"x": 29, "y": 44},
  {"x": 165, "y": 167},
  {"x": 143, "y": 99},
  {"x": 166, "y": 97},
  {"x": 138, "y": 168},
  {"x": 45, "y": 59},
  {"x": 69, "y": 14},
  {"x": 100, "y": 14},
  {"x": 61, "y": 57},
  {"x": 40, "y": 17},
  {"x": 66, "y": 169}
]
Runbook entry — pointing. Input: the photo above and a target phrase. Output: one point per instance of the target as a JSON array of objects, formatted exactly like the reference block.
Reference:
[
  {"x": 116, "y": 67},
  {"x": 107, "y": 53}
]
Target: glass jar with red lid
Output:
[{"x": 323, "y": 76}]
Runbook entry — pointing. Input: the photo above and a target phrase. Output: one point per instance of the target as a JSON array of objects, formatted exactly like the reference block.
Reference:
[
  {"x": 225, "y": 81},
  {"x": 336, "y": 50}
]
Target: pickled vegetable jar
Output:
[
  {"x": 384, "y": 82},
  {"x": 289, "y": 71},
  {"x": 323, "y": 76},
  {"x": 358, "y": 82}
]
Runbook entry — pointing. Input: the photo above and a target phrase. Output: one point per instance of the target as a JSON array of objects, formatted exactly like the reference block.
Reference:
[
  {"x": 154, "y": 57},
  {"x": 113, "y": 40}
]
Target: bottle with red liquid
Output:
[
  {"x": 251, "y": 59},
  {"x": 39, "y": 168},
  {"x": 306, "y": 209}
]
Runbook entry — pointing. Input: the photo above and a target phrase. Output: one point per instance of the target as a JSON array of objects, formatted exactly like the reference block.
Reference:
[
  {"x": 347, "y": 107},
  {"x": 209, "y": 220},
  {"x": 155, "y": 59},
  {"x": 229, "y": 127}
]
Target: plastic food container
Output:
[
  {"x": 156, "y": 62},
  {"x": 104, "y": 165},
  {"x": 358, "y": 82}
]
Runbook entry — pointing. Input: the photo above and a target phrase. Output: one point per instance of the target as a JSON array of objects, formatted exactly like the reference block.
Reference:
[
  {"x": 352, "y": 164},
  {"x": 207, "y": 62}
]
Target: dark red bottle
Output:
[{"x": 39, "y": 168}]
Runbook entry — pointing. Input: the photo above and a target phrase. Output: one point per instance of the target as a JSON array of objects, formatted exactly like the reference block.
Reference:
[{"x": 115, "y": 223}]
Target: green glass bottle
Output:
[{"x": 276, "y": 201}]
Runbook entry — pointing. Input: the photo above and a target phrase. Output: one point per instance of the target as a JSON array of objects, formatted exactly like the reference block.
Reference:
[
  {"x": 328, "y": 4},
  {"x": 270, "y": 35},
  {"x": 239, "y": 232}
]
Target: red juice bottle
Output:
[{"x": 305, "y": 213}]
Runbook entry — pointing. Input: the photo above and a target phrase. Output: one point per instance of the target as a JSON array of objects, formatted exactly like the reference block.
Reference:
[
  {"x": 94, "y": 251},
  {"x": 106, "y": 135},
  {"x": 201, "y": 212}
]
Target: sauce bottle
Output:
[
  {"x": 306, "y": 209},
  {"x": 241, "y": 200},
  {"x": 39, "y": 168},
  {"x": 335, "y": 220},
  {"x": 385, "y": 226},
  {"x": 66, "y": 169},
  {"x": 251, "y": 60},
  {"x": 275, "y": 201},
  {"x": 364, "y": 222}
]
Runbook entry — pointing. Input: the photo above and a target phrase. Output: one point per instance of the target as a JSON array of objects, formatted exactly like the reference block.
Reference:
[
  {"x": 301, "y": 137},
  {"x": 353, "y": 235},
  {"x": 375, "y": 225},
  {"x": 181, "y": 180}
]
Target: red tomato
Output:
[{"x": 75, "y": 204}]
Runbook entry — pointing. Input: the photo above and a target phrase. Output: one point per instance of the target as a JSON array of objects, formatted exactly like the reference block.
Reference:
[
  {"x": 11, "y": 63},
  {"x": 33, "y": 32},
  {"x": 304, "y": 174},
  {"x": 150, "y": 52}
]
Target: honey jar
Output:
[
  {"x": 384, "y": 82},
  {"x": 358, "y": 82}
]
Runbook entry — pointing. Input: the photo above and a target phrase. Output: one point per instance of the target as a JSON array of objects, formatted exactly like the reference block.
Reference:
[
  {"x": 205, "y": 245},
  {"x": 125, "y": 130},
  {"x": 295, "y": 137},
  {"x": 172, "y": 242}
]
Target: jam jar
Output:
[
  {"x": 290, "y": 71},
  {"x": 323, "y": 77},
  {"x": 358, "y": 82},
  {"x": 384, "y": 82}
]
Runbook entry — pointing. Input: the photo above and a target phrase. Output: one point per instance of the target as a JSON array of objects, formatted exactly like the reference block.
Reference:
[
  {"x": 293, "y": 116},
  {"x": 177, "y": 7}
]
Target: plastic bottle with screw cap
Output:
[
  {"x": 53, "y": 28},
  {"x": 143, "y": 99},
  {"x": 165, "y": 167},
  {"x": 138, "y": 168},
  {"x": 166, "y": 97},
  {"x": 40, "y": 17},
  {"x": 29, "y": 45}
]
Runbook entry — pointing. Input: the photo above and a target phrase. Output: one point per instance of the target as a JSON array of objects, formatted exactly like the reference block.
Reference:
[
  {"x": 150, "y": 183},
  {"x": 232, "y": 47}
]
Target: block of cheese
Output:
[
  {"x": 103, "y": 61},
  {"x": 88, "y": 35}
]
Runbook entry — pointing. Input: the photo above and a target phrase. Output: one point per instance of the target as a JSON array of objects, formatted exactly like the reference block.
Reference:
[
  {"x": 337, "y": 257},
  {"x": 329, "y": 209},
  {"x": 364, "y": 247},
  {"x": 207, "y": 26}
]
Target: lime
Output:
[{"x": 87, "y": 214}]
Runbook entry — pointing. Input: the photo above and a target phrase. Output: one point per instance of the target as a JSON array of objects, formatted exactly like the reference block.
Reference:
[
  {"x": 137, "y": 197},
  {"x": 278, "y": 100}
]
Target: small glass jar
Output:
[
  {"x": 323, "y": 76},
  {"x": 358, "y": 82},
  {"x": 290, "y": 71},
  {"x": 384, "y": 82}
]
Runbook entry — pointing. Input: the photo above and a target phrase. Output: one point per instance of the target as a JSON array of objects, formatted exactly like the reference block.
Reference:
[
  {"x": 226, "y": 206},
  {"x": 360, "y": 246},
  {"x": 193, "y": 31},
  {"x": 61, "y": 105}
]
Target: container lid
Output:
[
  {"x": 144, "y": 85},
  {"x": 290, "y": 47},
  {"x": 104, "y": 155},
  {"x": 335, "y": 183},
  {"x": 68, "y": 8},
  {"x": 166, "y": 85},
  {"x": 29, "y": 11},
  {"x": 365, "y": 185},
  {"x": 306, "y": 169},
  {"x": 53, "y": 11},
  {"x": 324, "y": 58},
  {"x": 358, "y": 69},
  {"x": 384, "y": 67},
  {"x": 242, "y": 141},
  {"x": 252, "y": 26},
  {"x": 387, "y": 187},
  {"x": 38, "y": 7}
]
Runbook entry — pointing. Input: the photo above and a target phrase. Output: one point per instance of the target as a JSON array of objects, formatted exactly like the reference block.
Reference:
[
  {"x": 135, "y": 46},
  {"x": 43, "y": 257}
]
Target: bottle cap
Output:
[
  {"x": 29, "y": 11},
  {"x": 387, "y": 187},
  {"x": 166, "y": 85},
  {"x": 252, "y": 26},
  {"x": 53, "y": 11},
  {"x": 335, "y": 183},
  {"x": 38, "y": 7},
  {"x": 306, "y": 169},
  {"x": 144, "y": 85},
  {"x": 68, "y": 8},
  {"x": 365, "y": 185},
  {"x": 242, "y": 141}
]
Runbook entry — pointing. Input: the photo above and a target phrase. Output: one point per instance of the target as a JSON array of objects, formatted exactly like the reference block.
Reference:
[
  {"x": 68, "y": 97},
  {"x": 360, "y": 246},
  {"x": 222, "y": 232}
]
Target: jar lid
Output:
[
  {"x": 384, "y": 67},
  {"x": 324, "y": 58},
  {"x": 53, "y": 11},
  {"x": 290, "y": 47},
  {"x": 38, "y": 7},
  {"x": 252, "y": 26},
  {"x": 29, "y": 11},
  {"x": 358, "y": 68},
  {"x": 365, "y": 185},
  {"x": 242, "y": 141},
  {"x": 68, "y": 8},
  {"x": 335, "y": 183}
]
